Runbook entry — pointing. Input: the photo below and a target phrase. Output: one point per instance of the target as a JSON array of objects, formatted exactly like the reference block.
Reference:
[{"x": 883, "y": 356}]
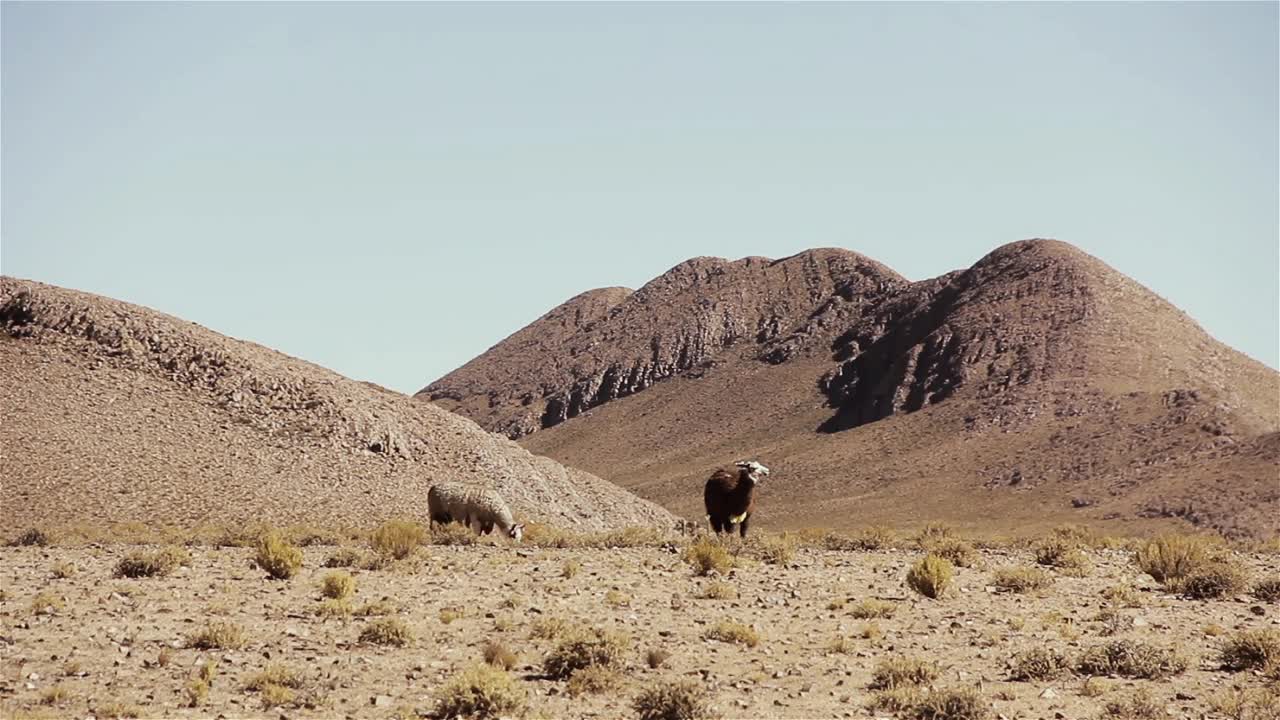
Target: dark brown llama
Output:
[{"x": 730, "y": 497}]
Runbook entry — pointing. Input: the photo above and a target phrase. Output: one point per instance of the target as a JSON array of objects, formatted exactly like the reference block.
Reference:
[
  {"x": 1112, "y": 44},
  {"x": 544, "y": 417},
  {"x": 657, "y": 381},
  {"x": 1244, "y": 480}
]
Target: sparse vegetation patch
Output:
[
  {"x": 480, "y": 691},
  {"x": 708, "y": 556},
  {"x": 583, "y": 648},
  {"x": 276, "y": 556},
  {"x": 1251, "y": 649},
  {"x": 734, "y": 632},
  {"x": 1131, "y": 659},
  {"x": 930, "y": 576},
  {"x": 683, "y": 700}
]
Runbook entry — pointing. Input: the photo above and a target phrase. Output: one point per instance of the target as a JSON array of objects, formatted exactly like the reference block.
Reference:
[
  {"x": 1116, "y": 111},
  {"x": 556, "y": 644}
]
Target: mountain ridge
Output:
[{"x": 1010, "y": 367}]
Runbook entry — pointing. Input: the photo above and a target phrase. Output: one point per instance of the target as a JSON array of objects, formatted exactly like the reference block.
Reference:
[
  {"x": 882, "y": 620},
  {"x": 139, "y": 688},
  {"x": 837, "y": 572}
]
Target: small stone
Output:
[
  {"x": 1048, "y": 694},
  {"x": 380, "y": 700}
]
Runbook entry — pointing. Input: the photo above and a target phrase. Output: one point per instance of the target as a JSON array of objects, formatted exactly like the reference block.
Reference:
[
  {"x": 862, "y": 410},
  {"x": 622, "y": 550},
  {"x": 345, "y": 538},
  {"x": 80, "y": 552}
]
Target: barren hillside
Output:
[
  {"x": 114, "y": 412},
  {"x": 1037, "y": 386}
]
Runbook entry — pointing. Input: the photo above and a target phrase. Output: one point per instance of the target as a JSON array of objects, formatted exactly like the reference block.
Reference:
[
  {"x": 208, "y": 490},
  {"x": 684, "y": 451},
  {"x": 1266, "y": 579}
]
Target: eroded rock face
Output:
[{"x": 609, "y": 344}]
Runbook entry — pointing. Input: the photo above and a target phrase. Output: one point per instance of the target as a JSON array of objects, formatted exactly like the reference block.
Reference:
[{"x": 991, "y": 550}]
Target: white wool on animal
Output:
[{"x": 469, "y": 504}]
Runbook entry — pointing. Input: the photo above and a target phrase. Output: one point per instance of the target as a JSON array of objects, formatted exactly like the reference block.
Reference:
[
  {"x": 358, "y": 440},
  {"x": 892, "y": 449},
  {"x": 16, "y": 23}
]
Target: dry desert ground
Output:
[{"x": 801, "y": 626}]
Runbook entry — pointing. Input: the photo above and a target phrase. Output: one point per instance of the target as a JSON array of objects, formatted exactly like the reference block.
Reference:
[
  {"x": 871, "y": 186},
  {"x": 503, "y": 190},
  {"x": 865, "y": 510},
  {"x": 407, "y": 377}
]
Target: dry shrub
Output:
[
  {"x": 960, "y": 553},
  {"x": 1079, "y": 536},
  {"x": 898, "y": 700},
  {"x": 930, "y": 576},
  {"x": 1021, "y": 579},
  {"x": 55, "y": 695},
  {"x": 344, "y": 557},
  {"x": 1268, "y": 589},
  {"x": 1248, "y": 703},
  {"x": 497, "y": 655},
  {"x": 774, "y": 549},
  {"x": 842, "y": 645},
  {"x": 1131, "y": 659},
  {"x": 448, "y": 615},
  {"x": 1172, "y": 557},
  {"x": 629, "y": 537},
  {"x": 37, "y": 537},
  {"x": 871, "y": 538},
  {"x": 593, "y": 680},
  {"x": 899, "y": 672},
  {"x": 733, "y": 632},
  {"x": 683, "y": 700},
  {"x": 583, "y": 648},
  {"x": 117, "y": 711},
  {"x": 1213, "y": 580},
  {"x": 870, "y": 608},
  {"x": 548, "y": 536},
  {"x": 338, "y": 585},
  {"x": 1139, "y": 705},
  {"x": 718, "y": 591},
  {"x": 197, "y": 692},
  {"x": 951, "y": 704},
  {"x": 1124, "y": 596},
  {"x": 870, "y": 631},
  {"x": 453, "y": 534},
  {"x": 140, "y": 563},
  {"x": 656, "y": 657},
  {"x": 1250, "y": 649},
  {"x": 386, "y": 631},
  {"x": 64, "y": 570},
  {"x": 1038, "y": 664},
  {"x": 275, "y": 674},
  {"x": 615, "y": 598},
  {"x": 217, "y": 636},
  {"x": 382, "y": 606},
  {"x": 708, "y": 556},
  {"x": 397, "y": 538},
  {"x": 550, "y": 628},
  {"x": 276, "y": 556},
  {"x": 480, "y": 691},
  {"x": 1113, "y": 622},
  {"x": 334, "y": 608},
  {"x": 932, "y": 533},
  {"x": 46, "y": 603},
  {"x": 1094, "y": 686},
  {"x": 1062, "y": 554},
  {"x": 570, "y": 568},
  {"x": 277, "y": 695}
]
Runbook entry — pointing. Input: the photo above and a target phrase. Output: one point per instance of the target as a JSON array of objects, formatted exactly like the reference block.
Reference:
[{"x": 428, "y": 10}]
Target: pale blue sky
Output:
[{"x": 389, "y": 189}]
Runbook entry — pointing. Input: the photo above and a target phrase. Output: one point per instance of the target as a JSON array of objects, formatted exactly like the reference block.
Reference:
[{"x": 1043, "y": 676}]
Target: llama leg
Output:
[{"x": 742, "y": 526}]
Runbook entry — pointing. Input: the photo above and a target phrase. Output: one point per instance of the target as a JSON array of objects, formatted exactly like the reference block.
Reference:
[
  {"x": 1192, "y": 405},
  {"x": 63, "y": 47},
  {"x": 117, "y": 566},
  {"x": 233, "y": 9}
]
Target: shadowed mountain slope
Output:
[
  {"x": 114, "y": 412},
  {"x": 1037, "y": 386}
]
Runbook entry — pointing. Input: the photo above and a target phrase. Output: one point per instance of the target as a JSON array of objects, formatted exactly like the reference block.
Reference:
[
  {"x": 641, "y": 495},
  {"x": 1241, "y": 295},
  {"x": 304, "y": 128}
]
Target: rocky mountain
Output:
[
  {"x": 1037, "y": 386},
  {"x": 114, "y": 412}
]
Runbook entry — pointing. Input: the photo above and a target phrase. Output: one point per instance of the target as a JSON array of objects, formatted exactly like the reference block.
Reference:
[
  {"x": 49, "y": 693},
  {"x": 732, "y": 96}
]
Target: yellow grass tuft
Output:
[
  {"x": 277, "y": 557},
  {"x": 397, "y": 538},
  {"x": 930, "y": 576},
  {"x": 734, "y": 632},
  {"x": 480, "y": 691},
  {"x": 707, "y": 556},
  {"x": 338, "y": 585}
]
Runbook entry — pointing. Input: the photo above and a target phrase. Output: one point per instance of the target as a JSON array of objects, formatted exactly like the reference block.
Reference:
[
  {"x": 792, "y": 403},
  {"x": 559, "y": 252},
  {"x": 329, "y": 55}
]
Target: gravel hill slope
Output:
[{"x": 114, "y": 412}]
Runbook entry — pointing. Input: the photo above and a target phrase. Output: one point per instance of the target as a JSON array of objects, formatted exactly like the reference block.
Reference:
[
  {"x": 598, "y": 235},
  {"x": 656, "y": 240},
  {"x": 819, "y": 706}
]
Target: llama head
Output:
[
  {"x": 755, "y": 470},
  {"x": 516, "y": 532}
]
